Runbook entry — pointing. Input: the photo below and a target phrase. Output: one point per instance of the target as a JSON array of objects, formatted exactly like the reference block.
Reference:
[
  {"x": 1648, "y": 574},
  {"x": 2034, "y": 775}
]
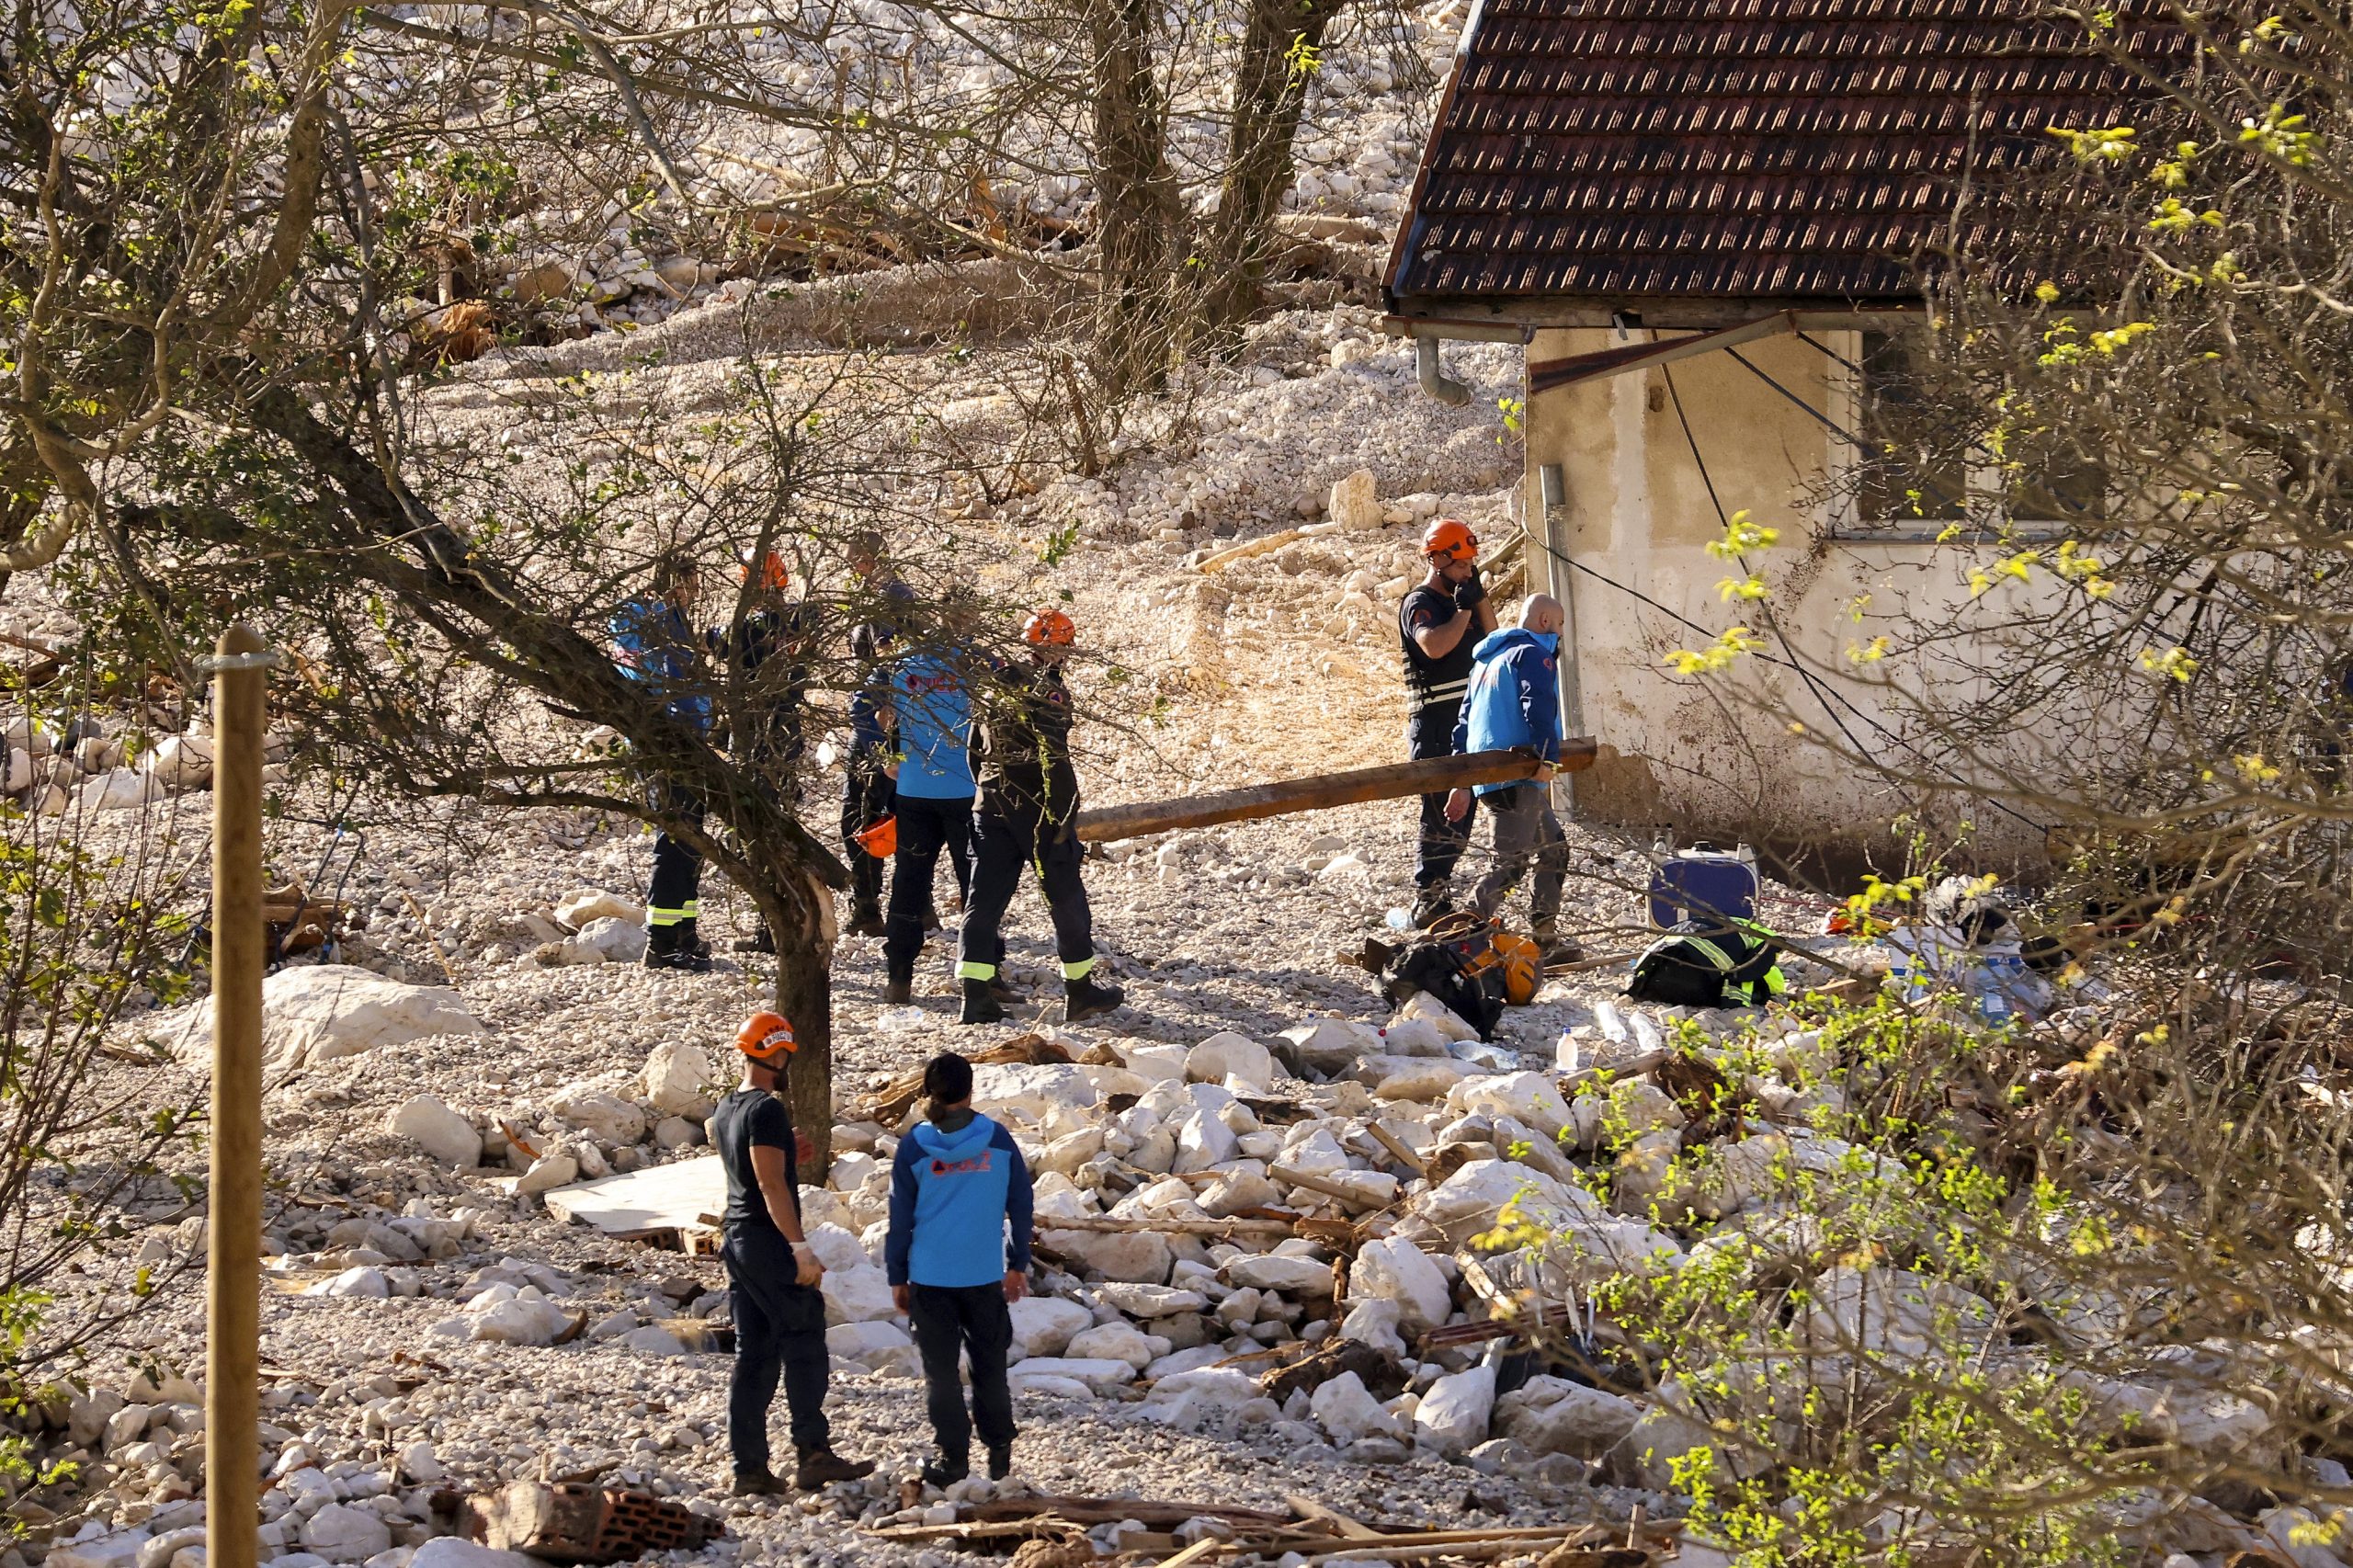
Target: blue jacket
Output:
[
  {"x": 935, "y": 715},
  {"x": 1513, "y": 701},
  {"x": 657, "y": 647},
  {"x": 951, "y": 1196}
]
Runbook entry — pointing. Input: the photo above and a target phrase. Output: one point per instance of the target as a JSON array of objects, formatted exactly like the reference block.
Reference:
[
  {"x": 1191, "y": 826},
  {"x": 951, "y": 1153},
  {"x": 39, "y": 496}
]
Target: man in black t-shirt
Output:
[
  {"x": 1440, "y": 622},
  {"x": 772, "y": 1277}
]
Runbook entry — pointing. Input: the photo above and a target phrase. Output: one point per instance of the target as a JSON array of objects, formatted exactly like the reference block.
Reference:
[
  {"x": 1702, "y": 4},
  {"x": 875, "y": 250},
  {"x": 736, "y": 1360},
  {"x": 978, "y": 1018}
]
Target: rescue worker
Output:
[
  {"x": 931, "y": 782},
  {"x": 1028, "y": 814},
  {"x": 866, "y": 787},
  {"x": 958, "y": 1257},
  {"x": 1438, "y": 623},
  {"x": 772, "y": 1277},
  {"x": 1514, "y": 704},
  {"x": 767, "y": 652},
  {"x": 655, "y": 642}
]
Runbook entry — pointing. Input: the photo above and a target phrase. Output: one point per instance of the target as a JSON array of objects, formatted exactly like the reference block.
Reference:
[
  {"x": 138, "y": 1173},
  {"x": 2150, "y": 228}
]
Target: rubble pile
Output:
[{"x": 100, "y": 764}]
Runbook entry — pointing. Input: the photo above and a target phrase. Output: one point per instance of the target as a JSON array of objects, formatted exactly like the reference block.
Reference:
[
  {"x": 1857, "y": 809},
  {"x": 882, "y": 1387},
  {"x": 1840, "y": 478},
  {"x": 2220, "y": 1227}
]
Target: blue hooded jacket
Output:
[
  {"x": 935, "y": 714},
  {"x": 657, "y": 647},
  {"x": 951, "y": 1196},
  {"x": 1513, "y": 701}
]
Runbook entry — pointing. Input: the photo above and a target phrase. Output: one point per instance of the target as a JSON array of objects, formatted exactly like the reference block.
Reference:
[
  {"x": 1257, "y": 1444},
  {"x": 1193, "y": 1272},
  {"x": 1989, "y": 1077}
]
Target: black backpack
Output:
[{"x": 1705, "y": 965}]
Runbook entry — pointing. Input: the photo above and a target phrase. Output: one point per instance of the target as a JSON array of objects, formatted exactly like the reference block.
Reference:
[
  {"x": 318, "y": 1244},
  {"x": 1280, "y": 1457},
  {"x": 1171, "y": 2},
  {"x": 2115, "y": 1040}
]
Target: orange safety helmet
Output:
[
  {"x": 774, "y": 577},
  {"x": 765, "y": 1036},
  {"x": 1447, "y": 539},
  {"x": 880, "y": 839},
  {"x": 1050, "y": 629}
]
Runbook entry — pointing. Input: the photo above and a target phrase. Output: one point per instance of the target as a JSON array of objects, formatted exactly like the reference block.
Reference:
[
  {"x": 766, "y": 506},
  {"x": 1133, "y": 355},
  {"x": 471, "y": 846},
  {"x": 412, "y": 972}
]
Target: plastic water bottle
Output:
[
  {"x": 898, "y": 1020},
  {"x": 1568, "y": 1055},
  {"x": 1646, "y": 1033},
  {"x": 1611, "y": 1023},
  {"x": 1398, "y": 920}
]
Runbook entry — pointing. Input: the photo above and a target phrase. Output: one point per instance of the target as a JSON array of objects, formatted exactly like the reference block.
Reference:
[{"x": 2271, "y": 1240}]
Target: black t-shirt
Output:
[
  {"x": 749, "y": 1119},
  {"x": 1440, "y": 679}
]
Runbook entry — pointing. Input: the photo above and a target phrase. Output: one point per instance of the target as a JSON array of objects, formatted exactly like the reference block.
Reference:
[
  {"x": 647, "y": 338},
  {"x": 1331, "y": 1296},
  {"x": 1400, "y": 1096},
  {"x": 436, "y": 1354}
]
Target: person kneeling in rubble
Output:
[
  {"x": 958, "y": 1186},
  {"x": 772, "y": 1277}
]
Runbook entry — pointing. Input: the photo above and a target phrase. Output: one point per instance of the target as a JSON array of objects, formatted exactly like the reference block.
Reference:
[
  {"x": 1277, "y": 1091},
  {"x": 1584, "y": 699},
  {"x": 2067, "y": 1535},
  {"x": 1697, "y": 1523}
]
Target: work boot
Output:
[
  {"x": 1000, "y": 1461},
  {"x": 1005, "y": 994},
  {"x": 980, "y": 1004},
  {"x": 1088, "y": 1000},
  {"x": 672, "y": 947},
  {"x": 757, "y": 1483},
  {"x": 945, "y": 1473},
  {"x": 898, "y": 993},
  {"x": 1553, "y": 947},
  {"x": 931, "y": 918},
  {"x": 1430, "y": 906},
  {"x": 823, "y": 1467},
  {"x": 865, "y": 918},
  {"x": 760, "y": 941}
]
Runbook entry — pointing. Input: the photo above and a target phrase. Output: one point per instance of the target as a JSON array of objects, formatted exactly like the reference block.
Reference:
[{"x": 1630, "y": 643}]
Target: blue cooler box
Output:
[{"x": 1712, "y": 886}]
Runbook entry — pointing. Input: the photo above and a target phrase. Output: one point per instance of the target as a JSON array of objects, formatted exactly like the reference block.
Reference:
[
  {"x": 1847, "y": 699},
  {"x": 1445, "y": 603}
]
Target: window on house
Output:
[{"x": 1915, "y": 467}]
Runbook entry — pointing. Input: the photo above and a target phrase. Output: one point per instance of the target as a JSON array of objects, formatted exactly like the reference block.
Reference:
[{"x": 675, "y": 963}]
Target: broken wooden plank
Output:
[
  {"x": 1396, "y": 1147},
  {"x": 1314, "y": 1512},
  {"x": 1323, "y": 790},
  {"x": 1178, "y": 1227},
  {"x": 1146, "y": 1511}
]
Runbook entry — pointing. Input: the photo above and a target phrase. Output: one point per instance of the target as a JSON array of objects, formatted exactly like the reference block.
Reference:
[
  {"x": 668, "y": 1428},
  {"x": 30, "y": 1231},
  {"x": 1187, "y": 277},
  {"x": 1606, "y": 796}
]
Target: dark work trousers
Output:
[
  {"x": 925, "y": 827},
  {"x": 780, "y": 1332},
  {"x": 1525, "y": 829},
  {"x": 1002, "y": 847},
  {"x": 972, "y": 1320},
  {"x": 1428, "y": 733},
  {"x": 866, "y": 800},
  {"x": 676, "y": 893}
]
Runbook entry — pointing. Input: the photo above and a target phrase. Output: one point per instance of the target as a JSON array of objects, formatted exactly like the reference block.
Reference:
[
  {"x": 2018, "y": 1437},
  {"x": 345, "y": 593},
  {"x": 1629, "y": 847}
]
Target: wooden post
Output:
[
  {"x": 1391, "y": 782},
  {"x": 233, "y": 1326}
]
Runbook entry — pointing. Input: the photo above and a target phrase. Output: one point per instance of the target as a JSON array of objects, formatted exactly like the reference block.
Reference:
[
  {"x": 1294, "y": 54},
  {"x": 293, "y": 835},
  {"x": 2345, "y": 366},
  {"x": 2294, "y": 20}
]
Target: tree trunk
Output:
[
  {"x": 1137, "y": 216},
  {"x": 1272, "y": 72},
  {"x": 802, "y": 921}
]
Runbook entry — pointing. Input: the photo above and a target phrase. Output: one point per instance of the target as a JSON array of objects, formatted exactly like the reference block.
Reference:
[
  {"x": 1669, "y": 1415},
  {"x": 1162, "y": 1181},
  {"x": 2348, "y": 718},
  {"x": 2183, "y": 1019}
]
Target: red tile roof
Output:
[{"x": 1782, "y": 150}]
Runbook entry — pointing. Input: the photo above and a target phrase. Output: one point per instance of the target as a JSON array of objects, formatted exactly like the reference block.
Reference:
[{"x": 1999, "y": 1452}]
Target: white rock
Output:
[
  {"x": 1048, "y": 1384},
  {"x": 859, "y": 1340},
  {"x": 516, "y": 1321},
  {"x": 679, "y": 1080},
  {"x": 609, "y": 940},
  {"x": 590, "y": 905},
  {"x": 653, "y": 1340},
  {"x": 362, "y": 1283},
  {"x": 455, "y": 1551},
  {"x": 1525, "y": 1096},
  {"x": 1205, "y": 1145},
  {"x": 1445, "y": 1019},
  {"x": 114, "y": 1549},
  {"x": 1097, "y": 1374},
  {"x": 1378, "y": 1323},
  {"x": 1412, "y": 1036},
  {"x": 1396, "y": 1269},
  {"x": 18, "y": 772},
  {"x": 1141, "y": 1257},
  {"x": 610, "y": 1116},
  {"x": 1453, "y": 1416},
  {"x": 1044, "y": 1325},
  {"x": 546, "y": 1173},
  {"x": 1117, "y": 1342},
  {"x": 1553, "y": 1416},
  {"x": 1227, "y": 1055},
  {"x": 1355, "y": 502},
  {"x": 161, "y": 1549},
  {"x": 427, "y": 1122},
  {"x": 341, "y": 1533},
  {"x": 1157, "y": 1063},
  {"x": 1291, "y": 1276},
  {"x": 1413, "y": 1078},
  {"x": 420, "y": 1464},
  {"x": 1153, "y": 1300},
  {"x": 857, "y": 1295},
  {"x": 1892, "y": 1312},
  {"x": 1345, "y": 1409},
  {"x": 181, "y": 762},
  {"x": 314, "y": 1013},
  {"x": 673, "y": 1132},
  {"x": 1029, "y": 1090},
  {"x": 121, "y": 788}
]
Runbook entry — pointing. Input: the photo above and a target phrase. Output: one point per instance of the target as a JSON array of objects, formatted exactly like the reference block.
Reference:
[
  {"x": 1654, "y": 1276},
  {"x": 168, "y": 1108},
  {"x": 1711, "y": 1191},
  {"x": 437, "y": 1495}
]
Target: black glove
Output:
[{"x": 1469, "y": 594}]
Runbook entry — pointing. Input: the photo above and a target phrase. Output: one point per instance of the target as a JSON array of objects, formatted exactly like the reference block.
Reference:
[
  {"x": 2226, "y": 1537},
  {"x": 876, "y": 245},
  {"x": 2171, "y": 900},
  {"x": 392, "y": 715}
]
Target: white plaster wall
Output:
[{"x": 1718, "y": 757}]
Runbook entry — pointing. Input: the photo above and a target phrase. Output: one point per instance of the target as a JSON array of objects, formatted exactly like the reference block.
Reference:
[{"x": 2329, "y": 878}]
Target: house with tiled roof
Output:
[{"x": 1708, "y": 221}]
